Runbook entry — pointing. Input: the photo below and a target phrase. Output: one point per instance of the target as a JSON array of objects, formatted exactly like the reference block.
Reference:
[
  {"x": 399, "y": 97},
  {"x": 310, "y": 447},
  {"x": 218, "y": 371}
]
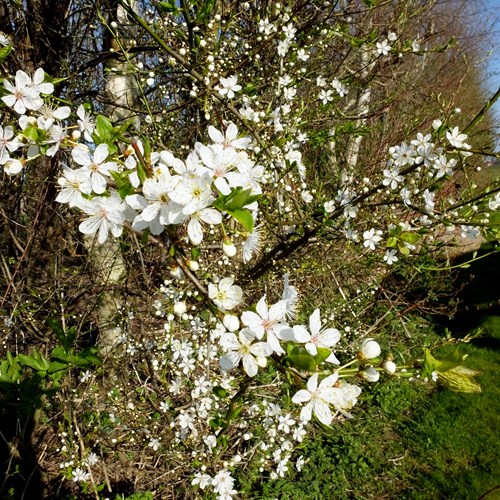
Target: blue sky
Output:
[{"x": 493, "y": 78}]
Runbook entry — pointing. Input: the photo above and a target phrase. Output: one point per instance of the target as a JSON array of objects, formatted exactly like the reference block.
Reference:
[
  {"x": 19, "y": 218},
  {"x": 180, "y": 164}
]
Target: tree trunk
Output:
[{"x": 107, "y": 259}]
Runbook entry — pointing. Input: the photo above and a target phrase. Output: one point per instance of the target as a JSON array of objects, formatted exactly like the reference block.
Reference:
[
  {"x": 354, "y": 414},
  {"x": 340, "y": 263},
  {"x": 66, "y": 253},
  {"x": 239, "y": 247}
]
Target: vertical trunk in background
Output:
[
  {"x": 361, "y": 109},
  {"x": 107, "y": 259}
]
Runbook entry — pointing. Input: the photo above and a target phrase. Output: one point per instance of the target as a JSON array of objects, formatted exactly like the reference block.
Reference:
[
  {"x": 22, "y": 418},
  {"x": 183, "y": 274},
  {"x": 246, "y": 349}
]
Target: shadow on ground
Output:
[{"x": 479, "y": 299}]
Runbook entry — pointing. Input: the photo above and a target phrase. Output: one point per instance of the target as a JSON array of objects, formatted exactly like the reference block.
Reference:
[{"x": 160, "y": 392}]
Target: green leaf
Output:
[
  {"x": 430, "y": 363},
  {"x": 145, "y": 237},
  {"x": 37, "y": 362},
  {"x": 304, "y": 362},
  {"x": 220, "y": 392},
  {"x": 90, "y": 355},
  {"x": 56, "y": 327},
  {"x": 56, "y": 366},
  {"x": 236, "y": 199},
  {"x": 4, "y": 53},
  {"x": 195, "y": 253},
  {"x": 58, "y": 353},
  {"x": 10, "y": 370},
  {"x": 322, "y": 355},
  {"x": 460, "y": 379},
  {"x": 404, "y": 250},
  {"x": 53, "y": 80},
  {"x": 104, "y": 128},
  {"x": 369, "y": 3},
  {"x": 410, "y": 237},
  {"x": 244, "y": 217},
  {"x": 123, "y": 186},
  {"x": 141, "y": 172},
  {"x": 32, "y": 133},
  {"x": 357, "y": 42},
  {"x": 119, "y": 131},
  {"x": 391, "y": 242},
  {"x": 250, "y": 89},
  {"x": 168, "y": 6},
  {"x": 217, "y": 423},
  {"x": 234, "y": 413},
  {"x": 204, "y": 10}
]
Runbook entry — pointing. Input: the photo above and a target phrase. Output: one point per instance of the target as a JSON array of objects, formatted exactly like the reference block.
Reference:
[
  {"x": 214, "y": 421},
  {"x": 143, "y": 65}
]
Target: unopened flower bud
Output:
[
  {"x": 180, "y": 308},
  {"x": 228, "y": 247},
  {"x": 369, "y": 349},
  {"x": 231, "y": 322},
  {"x": 176, "y": 272},
  {"x": 436, "y": 124},
  {"x": 193, "y": 265},
  {"x": 369, "y": 374},
  {"x": 261, "y": 361},
  {"x": 389, "y": 367},
  {"x": 76, "y": 134}
]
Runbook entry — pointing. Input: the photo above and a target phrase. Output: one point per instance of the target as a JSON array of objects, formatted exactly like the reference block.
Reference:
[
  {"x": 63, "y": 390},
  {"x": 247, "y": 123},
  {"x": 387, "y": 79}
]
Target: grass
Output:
[
  {"x": 454, "y": 443},
  {"x": 407, "y": 444},
  {"x": 412, "y": 443}
]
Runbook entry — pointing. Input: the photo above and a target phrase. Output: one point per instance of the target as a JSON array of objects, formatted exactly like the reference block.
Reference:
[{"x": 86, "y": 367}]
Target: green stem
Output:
[{"x": 483, "y": 111}]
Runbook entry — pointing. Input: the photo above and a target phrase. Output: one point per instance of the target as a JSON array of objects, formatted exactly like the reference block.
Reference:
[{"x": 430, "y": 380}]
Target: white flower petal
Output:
[
  {"x": 215, "y": 134},
  {"x": 250, "y": 365},
  {"x": 301, "y": 396},
  {"x": 101, "y": 153},
  {"x": 277, "y": 311},
  {"x": 322, "y": 411},
  {"x": 328, "y": 338},
  {"x": 312, "y": 383},
  {"x": 301, "y": 334},
  {"x": 230, "y": 360},
  {"x": 329, "y": 381},
  {"x": 306, "y": 413},
  {"x": 261, "y": 349},
  {"x": 315, "y": 322},
  {"x": 81, "y": 155},
  {"x": 210, "y": 216},
  {"x": 195, "y": 231},
  {"x": 90, "y": 225}
]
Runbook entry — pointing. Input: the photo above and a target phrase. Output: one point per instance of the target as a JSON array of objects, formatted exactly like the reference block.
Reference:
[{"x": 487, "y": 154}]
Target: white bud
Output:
[
  {"x": 369, "y": 374},
  {"x": 231, "y": 322},
  {"x": 369, "y": 349},
  {"x": 180, "y": 308},
  {"x": 228, "y": 247},
  {"x": 193, "y": 265},
  {"x": 436, "y": 124},
  {"x": 389, "y": 367},
  {"x": 176, "y": 272}
]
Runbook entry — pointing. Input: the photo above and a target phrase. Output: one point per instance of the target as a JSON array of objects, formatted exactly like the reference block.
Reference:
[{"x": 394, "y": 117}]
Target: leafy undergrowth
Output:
[
  {"x": 409, "y": 442},
  {"x": 413, "y": 442}
]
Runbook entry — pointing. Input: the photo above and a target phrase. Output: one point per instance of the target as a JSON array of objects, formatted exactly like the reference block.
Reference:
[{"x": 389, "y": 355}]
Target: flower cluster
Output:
[{"x": 213, "y": 351}]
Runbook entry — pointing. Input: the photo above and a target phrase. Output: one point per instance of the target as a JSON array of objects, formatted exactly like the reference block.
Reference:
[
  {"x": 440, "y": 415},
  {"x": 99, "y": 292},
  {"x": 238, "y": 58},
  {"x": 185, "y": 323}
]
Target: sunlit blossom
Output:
[
  {"x": 318, "y": 398},
  {"x": 316, "y": 336},
  {"x": 225, "y": 294},
  {"x": 242, "y": 348},
  {"x": 96, "y": 164},
  {"x": 268, "y": 321},
  {"x": 229, "y": 86}
]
